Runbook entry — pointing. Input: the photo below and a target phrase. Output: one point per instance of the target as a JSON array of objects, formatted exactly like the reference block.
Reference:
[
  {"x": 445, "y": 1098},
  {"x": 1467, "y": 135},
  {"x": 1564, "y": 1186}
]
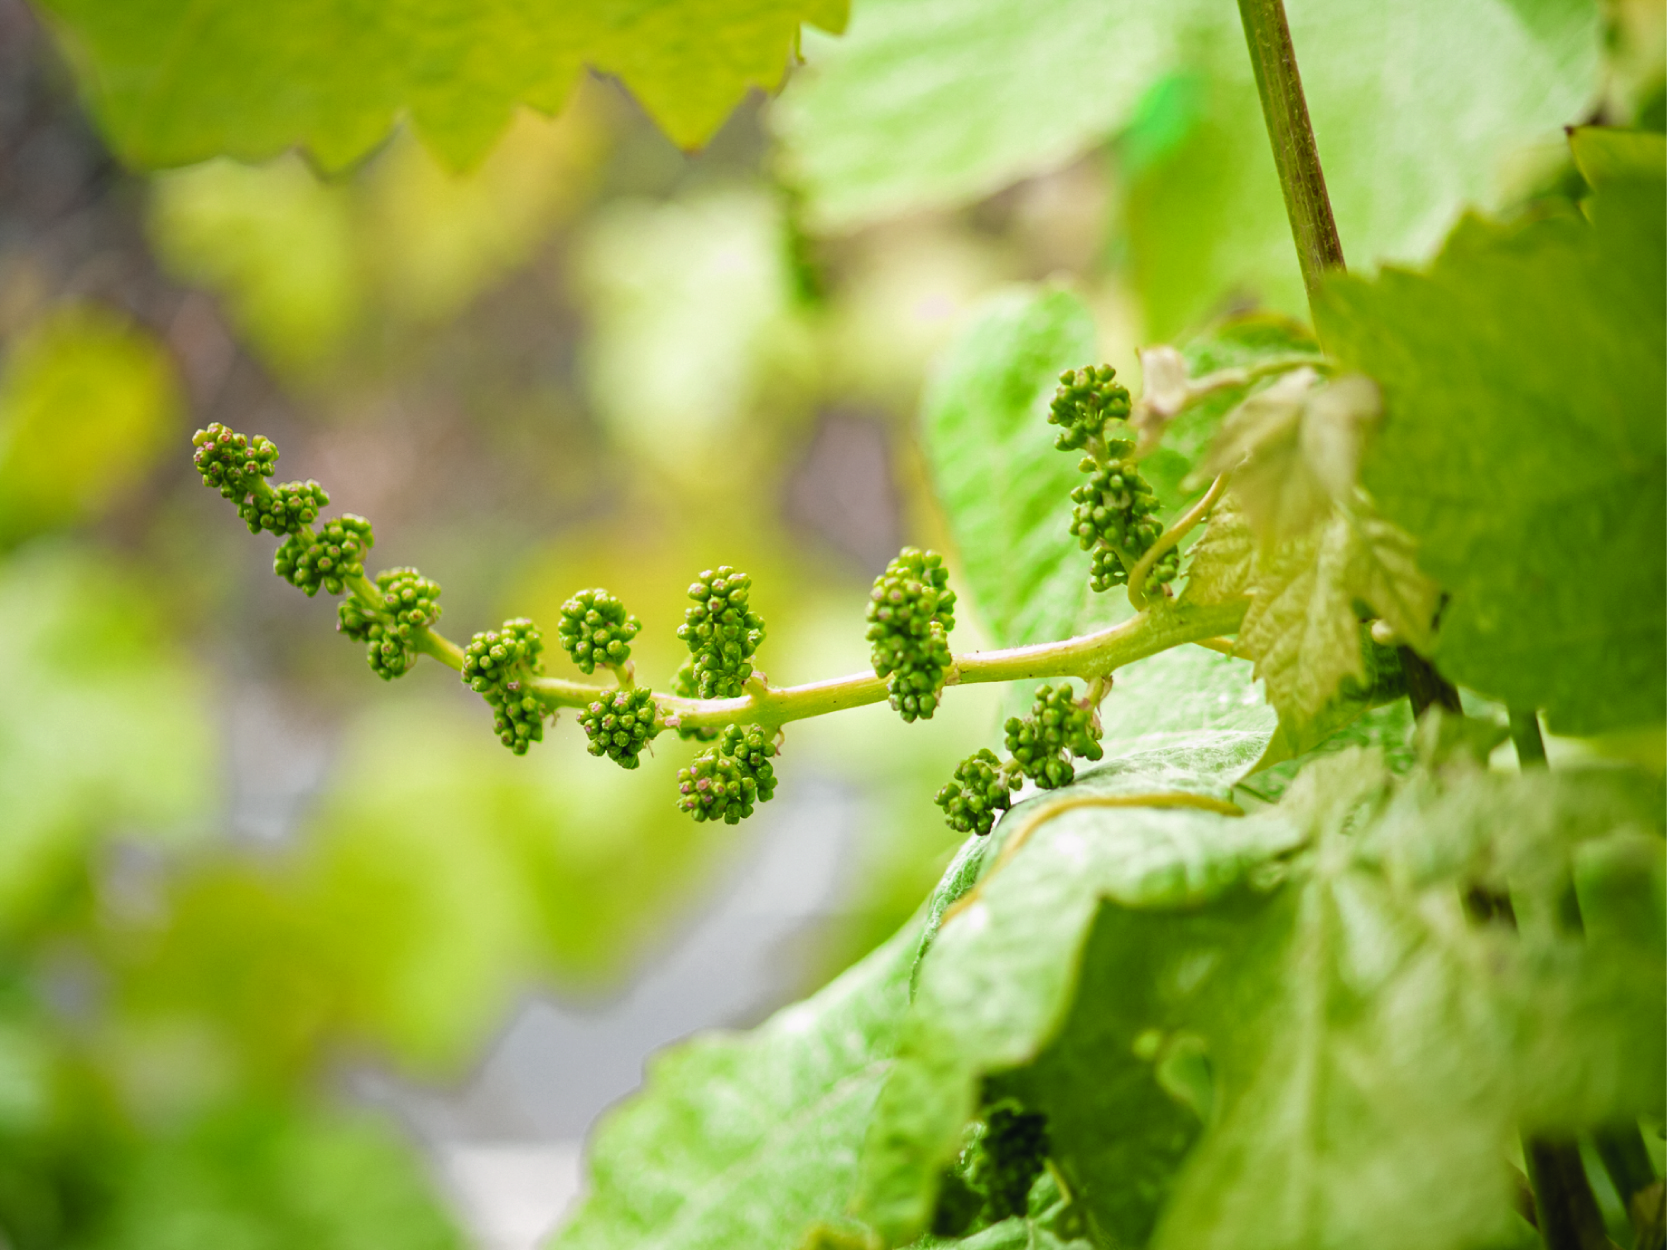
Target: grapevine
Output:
[{"x": 716, "y": 697}]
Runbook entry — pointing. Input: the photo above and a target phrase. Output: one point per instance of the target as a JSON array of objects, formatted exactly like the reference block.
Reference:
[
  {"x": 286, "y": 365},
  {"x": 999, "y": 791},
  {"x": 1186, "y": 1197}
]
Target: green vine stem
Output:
[
  {"x": 1167, "y": 540},
  {"x": 1295, "y": 153},
  {"x": 1525, "y": 736},
  {"x": 1313, "y": 227},
  {"x": 1089, "y": 657},
  {"x": 1568, "y": 1212},
  {"x": 1567, "y": 1209}
]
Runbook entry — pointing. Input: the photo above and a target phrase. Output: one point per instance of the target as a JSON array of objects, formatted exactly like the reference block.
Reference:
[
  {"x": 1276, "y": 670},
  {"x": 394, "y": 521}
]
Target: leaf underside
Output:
[{"x": 173, "y": 84}]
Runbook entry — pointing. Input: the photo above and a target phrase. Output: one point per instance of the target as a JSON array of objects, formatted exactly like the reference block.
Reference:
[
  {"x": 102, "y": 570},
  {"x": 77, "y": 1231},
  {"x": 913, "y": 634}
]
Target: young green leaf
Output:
[
  {"x": 1383, "y": 571},
  {"x": 1205, "y": 215},
  {"x": 1296, "y": 736},
  {"x": 1524, "y": 449},
  {"x": 750, "y": 1139},
  {"x": 1006, "y": 489},
  {"x": 871, "y": 130},
  {"x": 998, "y": 982},
  {"x": 1223, "y": 560},
  {"x": 1301, "y": 627},
  {"x": 1375, "y": 1050},
  {"x": 174, "y": 85},
  {"x": 1194, "y": 703},
  {"x": 1178, "y": 416},
  {"x": 1293, "y": 450}
]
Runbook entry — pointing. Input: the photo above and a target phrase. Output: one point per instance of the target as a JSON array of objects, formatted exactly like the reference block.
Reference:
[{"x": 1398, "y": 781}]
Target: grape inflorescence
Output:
[
  {"x": 1115, "y": 521},
  {"x": 1040, "y": 746},
  {"x": 328, "y": 559},
  {"x": 727, "y": 779},
  {"x": 1057, "y": 728},
  {"x": 910, "y": 613},
  {"x": 620, "y": 725},
  {"x": 982, "y": 787},
  {"x": 595, "y": 629},
  {"x": 409, "y": 603},
  {"x": 232, "y": 463},
  {"x": 722, "y": 632},
  {"x": 498, "y": 665},
  {"x": 1086, "y": 399},
  {"x": 1114, "y": 517}
]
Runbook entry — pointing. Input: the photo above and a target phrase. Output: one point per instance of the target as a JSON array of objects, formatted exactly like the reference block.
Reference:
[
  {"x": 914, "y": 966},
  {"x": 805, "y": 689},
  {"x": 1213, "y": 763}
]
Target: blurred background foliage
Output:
[{"x": 235, "y": 870}]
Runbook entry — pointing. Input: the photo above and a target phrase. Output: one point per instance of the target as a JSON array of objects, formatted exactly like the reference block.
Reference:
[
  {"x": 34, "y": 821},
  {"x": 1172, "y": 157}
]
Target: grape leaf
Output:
[
  {"x": 87, "y": 387},
  {"x": 1223, "y": 560},
  {"x": 1301, "y": 627},
  {"x": 175, "y": 84},
  {"x": 1183, "y": 439},
  {"x": 998, "y": 982},
  {"x": 259, "y": 1174},
  {"x": 1524, "y": 448},
  {"x": 1375, "y": 1051},
  {"x": 750, "y": 1139},
  {"x": 103, "y": 726},
  {"x": 1186, "y": 701},
  {"x": 873, "y": 130},
  {"x": 1383, "y": 570},
  {"x": 1006, "y": 489}
]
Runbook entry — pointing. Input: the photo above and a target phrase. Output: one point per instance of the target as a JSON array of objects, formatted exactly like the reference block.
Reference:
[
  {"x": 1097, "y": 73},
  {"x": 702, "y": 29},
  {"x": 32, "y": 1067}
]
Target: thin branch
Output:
[
  {"x": 1525, "y": 736},
  {"x": 1313, "y": 228},
  {"x": 1569, "y": 1218},
  {"x": 1295, "y": 153},
  {"x": 1143, "y": 567}
]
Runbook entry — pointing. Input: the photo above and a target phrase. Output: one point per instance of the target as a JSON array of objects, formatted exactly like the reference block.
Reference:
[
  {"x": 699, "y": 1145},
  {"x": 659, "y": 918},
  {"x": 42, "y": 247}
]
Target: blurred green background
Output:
[{"x": 286, "y": 953}]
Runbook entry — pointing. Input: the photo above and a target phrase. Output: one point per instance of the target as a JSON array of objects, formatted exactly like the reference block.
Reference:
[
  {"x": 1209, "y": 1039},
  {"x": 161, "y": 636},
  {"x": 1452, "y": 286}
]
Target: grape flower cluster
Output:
[
  {"x": 232, "y": 463},
  {"x": 726, "y": 780},
  {"x": 498, "y": 665},
  {"x": 1114, "y": 514},
  {"x": 910, "y": 613},
  {"x": 722, "y": 633},
  {"x": 409, "y": 603},
  {"x": 1115, "y": 521},
  {"x": 620, "y": 725},
  {"x": 982, "y": 787},
  {"x": 1057, "y": 728},
  {"x": 328, "y": 559},
  {"x": 1040, "y": 746},
  {"x": 284, "y": 509},
  {"x": 1086, "y": 399},
  {"x": 1012, "y": 1153},
  {"x": 595, "y": 629}
]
